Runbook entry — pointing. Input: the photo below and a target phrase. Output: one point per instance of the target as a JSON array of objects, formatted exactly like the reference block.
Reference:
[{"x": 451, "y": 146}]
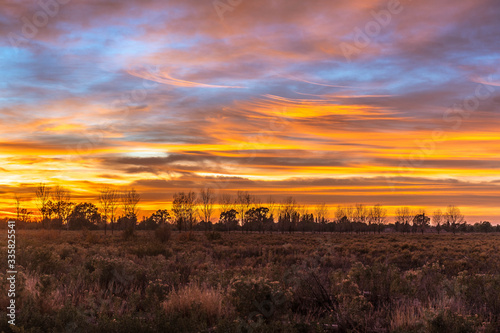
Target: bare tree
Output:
[
  {"x": 18, "y": 207},
  {"x": 321, "y": 213},
  {"x": 243, "y": 203},
  {"x": 184, "y": 209},
  {"x": 404, "y": 216},
  {"x": 377, "y": 216},
  {"x": 22, "y": 214},
  {"x": 61, "y": 204},
  {"x": 302, "y": 210},
  {"x": 108, "y": 202},
  {"x": 349, "y": 213},
  {"x": 207, "y": 199},
  {"x": 437, "y": 219},
  {"x": 339, "y": 213},
  {"x": 288, "y": 214},
  {"x": 273, "y": 207},
  {"x": 360, "y": 213},
  {"x": 42, "y": 194},
  {"x": 271, "y": 204},
  {"x": 453, "y": 217},
  {"x": 226, "y": 202},
  {"x": 25, "y": 215},
  {"x": 130, "y": 199}
]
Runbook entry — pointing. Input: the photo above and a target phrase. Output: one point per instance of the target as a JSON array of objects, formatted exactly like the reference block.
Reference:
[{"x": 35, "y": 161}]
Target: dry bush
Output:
[
  {"x": 191, "y": 298},
  {"x": 128, "y": 233},
  {"x": 213, "y": 235},
  {"x": 408, "y": 315},
  {"x": 187, "y": 237},
  {"x": 49, "y": 235},
  {"x": 89, "y": 237},
  {"x": 163, "y": 233},
  {"x": 365, "y": 283}
]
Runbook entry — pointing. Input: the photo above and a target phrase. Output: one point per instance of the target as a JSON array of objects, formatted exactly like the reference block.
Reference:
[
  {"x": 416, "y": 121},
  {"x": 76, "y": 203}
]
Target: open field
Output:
[{"x": 74, "y": 281}]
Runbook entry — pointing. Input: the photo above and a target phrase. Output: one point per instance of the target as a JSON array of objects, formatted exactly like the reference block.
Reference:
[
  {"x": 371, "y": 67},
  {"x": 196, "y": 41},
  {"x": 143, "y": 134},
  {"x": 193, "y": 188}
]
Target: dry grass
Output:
[
  {"x": 31, "y": 285},
  {"x": 193, "y": 297},
  {"x": 392, "y": 282},
  {"x": 411, "y": 313}
]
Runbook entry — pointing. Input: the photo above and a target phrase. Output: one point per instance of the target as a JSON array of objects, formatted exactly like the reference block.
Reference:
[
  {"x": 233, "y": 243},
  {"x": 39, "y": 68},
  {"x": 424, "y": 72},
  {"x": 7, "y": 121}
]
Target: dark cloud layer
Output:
[{"x": 176, "y": 94}]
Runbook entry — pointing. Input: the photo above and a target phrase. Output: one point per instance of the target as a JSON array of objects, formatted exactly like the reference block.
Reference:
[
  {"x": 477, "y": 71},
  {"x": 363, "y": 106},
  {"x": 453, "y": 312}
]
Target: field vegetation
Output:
[{"x": 163, "y": 281}]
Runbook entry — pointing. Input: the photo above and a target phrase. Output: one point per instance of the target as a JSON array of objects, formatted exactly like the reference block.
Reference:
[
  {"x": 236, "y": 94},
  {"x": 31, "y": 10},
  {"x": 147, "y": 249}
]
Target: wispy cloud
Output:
[
  {"x": 264, "y": 100},
  {"x": 165, "y": 78}
]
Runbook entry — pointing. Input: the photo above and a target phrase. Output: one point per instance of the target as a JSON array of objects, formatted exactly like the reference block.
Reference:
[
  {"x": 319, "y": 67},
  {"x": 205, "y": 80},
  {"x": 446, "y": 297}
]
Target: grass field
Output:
[{"x": 87, "y": 282}]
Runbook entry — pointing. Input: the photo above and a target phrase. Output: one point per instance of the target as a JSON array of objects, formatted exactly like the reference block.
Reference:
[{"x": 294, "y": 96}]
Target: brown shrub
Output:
[{"x": 163, "y": 233}]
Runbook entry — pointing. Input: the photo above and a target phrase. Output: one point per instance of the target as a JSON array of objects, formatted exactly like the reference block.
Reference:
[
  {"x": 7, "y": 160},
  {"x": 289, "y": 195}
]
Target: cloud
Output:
[
  {"x": 262, "y": 99},
  {"x": 165, "y": 78}
]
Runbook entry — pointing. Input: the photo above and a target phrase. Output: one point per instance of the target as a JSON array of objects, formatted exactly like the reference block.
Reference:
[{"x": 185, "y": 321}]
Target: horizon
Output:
[
  {"x": 275, "y": 204},
  {"x": 376, "y": 102}
]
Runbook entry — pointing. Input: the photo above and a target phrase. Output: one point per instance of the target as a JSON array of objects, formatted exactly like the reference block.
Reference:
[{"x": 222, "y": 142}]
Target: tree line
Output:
[{"x": 118, "y": 210}]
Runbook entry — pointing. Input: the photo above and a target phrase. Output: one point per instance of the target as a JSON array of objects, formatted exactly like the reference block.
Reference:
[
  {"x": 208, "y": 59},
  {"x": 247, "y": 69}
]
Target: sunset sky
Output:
[{"x": 341, "y": 102}]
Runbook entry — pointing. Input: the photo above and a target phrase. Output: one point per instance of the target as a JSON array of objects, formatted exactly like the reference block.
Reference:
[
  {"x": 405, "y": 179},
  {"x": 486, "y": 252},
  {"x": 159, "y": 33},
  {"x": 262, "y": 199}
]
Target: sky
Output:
[{"x": 341, "y": 102}]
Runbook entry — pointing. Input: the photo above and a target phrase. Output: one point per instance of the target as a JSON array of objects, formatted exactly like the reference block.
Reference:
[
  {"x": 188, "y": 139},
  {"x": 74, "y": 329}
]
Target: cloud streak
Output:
[{"x": 264, "y": 100}]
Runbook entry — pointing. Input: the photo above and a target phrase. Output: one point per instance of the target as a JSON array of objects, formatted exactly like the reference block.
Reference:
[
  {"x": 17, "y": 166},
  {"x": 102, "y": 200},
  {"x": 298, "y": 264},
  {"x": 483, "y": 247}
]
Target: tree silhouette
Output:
[
  {"x": 321, "y": 215},
  {"x": 421, "y": 222},
  {"x": 207, "y": 199},
  {"x": 257, "y": 218},
  {"x": 129, "y": 201},
  {"x": 243, "y": 202},
  {"x": 157, "y": 219},
  {"x": 84, "y": 215},
  {"x": 377, "y": 216},
  {"x": 42, "y": 194},
  {"x": 360, "y": 213},
  {"x": 61, "y": 204},
  {"x": 437, "y": 219},
  {"x": 404, "y": 216},
  {"x": 183, "y": 207},
  {"x": 108, "y": 201},
  {"x": 453, "y": 218},
  {"x": 228, "y": 219}
]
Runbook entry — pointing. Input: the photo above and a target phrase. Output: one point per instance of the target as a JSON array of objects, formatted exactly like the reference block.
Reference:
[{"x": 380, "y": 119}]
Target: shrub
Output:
[
  {"x": 89, "y": 236},
  {"x": 157, "y": 289},
  {"x": 201, "y": 307},
  {"x": 480, "y": 292},
  {"x": 311, "y": 295},
  {"x": 380, "y": 281},
  {"x": 353, "y": 309},
  {"x": 447, "y": 321},
  {"x": 67, "y": 252},
  {"x": 117, "y": 275},
  {"x": 163, "y": 233},
  {"x": 213, "y": 235},
  {"x": 42, "y": 260},
  {"x": 258, "y": 294},
  {"x": 187, "y": 237},
  {"x": 128, "y": 233},
  {"x": 150, "y": 250}
]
